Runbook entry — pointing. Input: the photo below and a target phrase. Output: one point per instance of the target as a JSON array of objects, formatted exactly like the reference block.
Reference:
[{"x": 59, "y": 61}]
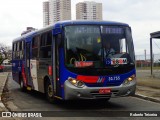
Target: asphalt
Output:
[{"x": 148, "y": 88}]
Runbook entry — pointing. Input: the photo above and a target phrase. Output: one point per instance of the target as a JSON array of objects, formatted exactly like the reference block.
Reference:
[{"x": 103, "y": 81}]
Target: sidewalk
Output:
[
  {"x": 3, "y": 78},
  {"x": 148, "y": 88}
]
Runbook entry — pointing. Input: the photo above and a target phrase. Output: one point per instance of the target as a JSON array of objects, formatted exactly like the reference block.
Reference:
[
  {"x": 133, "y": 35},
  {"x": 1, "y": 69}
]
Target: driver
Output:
[{"x": 108, "y": 51}]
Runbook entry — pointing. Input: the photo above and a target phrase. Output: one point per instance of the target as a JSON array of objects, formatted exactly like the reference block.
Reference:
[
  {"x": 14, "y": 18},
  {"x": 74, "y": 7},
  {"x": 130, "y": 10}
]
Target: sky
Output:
[{"x": 142, "y": 15}]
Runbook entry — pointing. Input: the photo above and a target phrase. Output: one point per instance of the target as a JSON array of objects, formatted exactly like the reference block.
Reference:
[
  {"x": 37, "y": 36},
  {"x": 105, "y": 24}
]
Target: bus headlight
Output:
[
  {"x": 76, "y": 82},
  {"x": 128, "y": 80}
]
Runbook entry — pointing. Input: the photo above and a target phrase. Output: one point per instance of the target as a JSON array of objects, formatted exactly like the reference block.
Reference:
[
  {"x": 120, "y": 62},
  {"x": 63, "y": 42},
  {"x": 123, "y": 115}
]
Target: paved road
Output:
[{"x": 36, "y": 102}]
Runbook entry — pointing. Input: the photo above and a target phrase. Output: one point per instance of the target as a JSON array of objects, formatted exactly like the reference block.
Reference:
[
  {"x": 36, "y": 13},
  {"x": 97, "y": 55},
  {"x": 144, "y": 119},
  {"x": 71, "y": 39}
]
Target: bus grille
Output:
[
  {"x": 102, "y": 85},
  {"x": 96, "y": 94}
]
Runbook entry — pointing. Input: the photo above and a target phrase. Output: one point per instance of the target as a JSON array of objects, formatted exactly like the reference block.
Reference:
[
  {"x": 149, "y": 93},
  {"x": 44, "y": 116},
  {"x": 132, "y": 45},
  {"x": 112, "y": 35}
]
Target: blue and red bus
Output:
[{"x": 68, "y": 60}]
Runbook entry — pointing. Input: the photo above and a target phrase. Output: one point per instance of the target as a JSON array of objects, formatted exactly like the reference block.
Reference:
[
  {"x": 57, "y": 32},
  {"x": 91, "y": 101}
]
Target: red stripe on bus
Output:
[
  {"x": 88, "y": 79},
  {"x": 24, "y": 75}
]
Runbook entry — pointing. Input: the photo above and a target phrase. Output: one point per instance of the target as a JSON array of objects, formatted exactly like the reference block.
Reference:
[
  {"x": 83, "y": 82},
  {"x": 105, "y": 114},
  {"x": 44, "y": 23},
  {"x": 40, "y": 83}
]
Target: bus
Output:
[{"x": 67, "y": 60}]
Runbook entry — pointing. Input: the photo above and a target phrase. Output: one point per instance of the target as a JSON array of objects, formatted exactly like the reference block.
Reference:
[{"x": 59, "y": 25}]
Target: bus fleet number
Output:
[{"x": 114, "y": 78}]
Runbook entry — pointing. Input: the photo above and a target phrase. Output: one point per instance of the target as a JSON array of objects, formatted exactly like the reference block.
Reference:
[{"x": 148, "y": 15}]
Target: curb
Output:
[
  {"x": 2, "y": 106},
  {"x": 147, "y": 98}
]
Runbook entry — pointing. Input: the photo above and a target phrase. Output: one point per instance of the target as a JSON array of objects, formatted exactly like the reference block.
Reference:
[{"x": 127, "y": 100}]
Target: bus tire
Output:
[{"x": 49, "y": 91}]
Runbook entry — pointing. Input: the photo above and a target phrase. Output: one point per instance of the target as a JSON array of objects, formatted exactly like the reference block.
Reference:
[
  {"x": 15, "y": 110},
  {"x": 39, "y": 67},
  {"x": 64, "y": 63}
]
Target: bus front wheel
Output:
[{"x": 49, "y": 91}]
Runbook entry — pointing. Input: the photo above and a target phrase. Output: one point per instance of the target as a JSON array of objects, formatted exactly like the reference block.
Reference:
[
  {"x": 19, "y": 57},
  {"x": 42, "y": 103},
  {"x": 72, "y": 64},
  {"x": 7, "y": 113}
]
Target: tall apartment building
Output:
[
  {"x": 45, "y": 13},
  {"x": 89, "y": 11},
  {"x": 58, "y": 10}
]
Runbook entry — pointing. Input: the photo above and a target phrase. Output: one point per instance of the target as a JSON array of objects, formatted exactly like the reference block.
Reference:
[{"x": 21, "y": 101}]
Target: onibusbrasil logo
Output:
[{"x": 21, "y": 114}]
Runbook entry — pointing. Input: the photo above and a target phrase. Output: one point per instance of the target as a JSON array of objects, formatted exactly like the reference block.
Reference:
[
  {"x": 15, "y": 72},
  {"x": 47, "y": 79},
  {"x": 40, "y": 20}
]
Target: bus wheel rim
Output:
[{"x": 50, "y": 91}]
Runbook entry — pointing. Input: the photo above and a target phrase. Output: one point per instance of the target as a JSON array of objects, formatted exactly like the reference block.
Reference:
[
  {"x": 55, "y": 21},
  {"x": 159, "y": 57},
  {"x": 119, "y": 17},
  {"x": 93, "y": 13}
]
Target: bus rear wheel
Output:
[{"x": 49, "y": 92}]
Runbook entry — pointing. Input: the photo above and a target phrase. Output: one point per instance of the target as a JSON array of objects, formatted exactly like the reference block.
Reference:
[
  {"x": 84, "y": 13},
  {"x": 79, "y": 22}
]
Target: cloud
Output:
[
  {"x": 132, "y": 10},
  {"x": 141, "y": 15},
  {"x": 16, "y": 15}
]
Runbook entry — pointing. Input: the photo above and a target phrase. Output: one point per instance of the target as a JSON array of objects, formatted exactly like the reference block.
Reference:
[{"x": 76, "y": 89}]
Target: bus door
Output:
[
  {"x": 27, "y": 63},
  {"x": 56, "y": 60}
]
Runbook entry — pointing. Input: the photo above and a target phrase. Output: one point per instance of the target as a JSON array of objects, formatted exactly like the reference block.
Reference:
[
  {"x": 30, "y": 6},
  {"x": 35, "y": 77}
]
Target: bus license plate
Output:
[{"x": 104, "y": 91}]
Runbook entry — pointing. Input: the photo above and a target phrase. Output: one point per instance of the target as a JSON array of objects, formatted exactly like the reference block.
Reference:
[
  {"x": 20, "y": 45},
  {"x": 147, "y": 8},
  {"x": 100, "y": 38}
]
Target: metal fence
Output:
[{"x": 143, "y": 62}]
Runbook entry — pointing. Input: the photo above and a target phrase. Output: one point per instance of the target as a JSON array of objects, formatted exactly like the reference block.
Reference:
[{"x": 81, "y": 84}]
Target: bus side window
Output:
[
  {"x": 21, "y": 52},
  {"x": 35, "y": 42},
  {"x": 42, "y": 45},
  {"x": 45, "y": 46},
  {"x": 17, "y": 51},
  {"x": 14, "y": 50},
  {"x": 49, "y": 38},
  {"x": 48, "y": 44},
  {"x": 43, "y": 40},
  {"x": 23, "y": 49}
]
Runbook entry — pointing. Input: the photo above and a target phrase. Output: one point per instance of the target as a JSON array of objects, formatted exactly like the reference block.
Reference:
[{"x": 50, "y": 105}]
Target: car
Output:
[{"x": 1, "y": 68}]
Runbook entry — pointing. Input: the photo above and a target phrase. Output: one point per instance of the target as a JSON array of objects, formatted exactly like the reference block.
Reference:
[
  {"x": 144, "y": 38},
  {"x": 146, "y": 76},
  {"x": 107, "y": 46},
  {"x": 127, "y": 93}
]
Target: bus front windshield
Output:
[{"x": 98, "y": 46}]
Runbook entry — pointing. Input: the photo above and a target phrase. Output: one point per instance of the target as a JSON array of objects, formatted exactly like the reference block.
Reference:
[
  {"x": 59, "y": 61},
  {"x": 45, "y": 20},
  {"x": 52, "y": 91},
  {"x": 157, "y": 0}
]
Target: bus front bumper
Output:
[{"x": 72, "y": 92}]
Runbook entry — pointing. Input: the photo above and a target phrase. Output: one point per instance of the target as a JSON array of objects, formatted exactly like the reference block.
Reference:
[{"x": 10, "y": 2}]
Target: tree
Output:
[{"x": 5, "y": 52}]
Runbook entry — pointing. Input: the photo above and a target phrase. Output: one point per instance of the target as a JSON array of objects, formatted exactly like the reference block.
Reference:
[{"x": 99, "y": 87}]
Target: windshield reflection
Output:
[{"x": 98, "y": 46}]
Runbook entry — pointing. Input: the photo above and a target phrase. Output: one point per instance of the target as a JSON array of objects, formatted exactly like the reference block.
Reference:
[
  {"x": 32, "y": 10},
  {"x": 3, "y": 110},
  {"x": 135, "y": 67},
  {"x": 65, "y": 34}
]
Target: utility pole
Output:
[
  {"x": 145, "y": 54},
  {"x": 145, "y": 58}
]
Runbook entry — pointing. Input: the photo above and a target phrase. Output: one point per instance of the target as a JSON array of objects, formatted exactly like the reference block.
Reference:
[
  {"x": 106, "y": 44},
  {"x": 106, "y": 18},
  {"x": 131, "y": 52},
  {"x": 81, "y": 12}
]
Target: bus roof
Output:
[
  {"x": 93, "y": 22},
  {"x": 24, "y": 36},
  {"x": 70, "y": 22}
]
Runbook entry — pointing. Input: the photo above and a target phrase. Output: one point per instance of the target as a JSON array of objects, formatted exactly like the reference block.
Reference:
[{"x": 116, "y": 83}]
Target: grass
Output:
[
  {"x": 147, "y": 68},
  {"x": 149, "y": 82}
]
